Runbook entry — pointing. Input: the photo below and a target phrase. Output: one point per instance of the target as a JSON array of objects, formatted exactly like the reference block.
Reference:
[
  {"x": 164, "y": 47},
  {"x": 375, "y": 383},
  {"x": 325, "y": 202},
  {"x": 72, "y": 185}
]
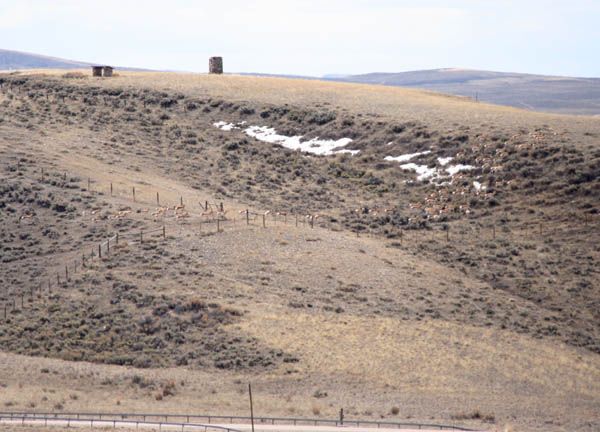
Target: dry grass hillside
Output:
[{"x": 469, "y": 296}]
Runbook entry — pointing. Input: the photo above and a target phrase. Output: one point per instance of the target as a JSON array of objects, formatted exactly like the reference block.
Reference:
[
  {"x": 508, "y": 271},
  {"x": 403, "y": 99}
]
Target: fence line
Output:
[{"x": 215, "y": 213}]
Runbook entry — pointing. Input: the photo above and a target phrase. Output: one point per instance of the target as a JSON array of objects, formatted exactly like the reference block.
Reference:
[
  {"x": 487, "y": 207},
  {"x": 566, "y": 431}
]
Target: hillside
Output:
[
  {"x": 422, "y": 257},
  {"x": 566, "y": 95},
  {"x": 15, "y": 60}
]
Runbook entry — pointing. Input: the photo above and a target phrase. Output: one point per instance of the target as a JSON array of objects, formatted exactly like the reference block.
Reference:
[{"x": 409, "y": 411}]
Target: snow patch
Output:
[
  {"x": 444, "y": 161},
  {"x": 423, "y": 171},
  {"x": 406, "y": 157},
  {"x": 225, "y": 126},
  {"x": 315, "y": 146},
  {"x": 478, "y": 186},
  {"x": 455, "y": 169}
]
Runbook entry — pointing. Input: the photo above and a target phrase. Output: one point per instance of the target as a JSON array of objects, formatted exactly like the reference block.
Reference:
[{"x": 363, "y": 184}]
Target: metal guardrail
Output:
[
  {"x": 29, "y": 419},
  {"x": 148, "y": 418}
]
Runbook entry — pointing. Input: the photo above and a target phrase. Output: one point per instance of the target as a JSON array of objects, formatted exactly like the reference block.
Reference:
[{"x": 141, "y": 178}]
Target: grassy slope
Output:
[{"x": 412, "y": 328}]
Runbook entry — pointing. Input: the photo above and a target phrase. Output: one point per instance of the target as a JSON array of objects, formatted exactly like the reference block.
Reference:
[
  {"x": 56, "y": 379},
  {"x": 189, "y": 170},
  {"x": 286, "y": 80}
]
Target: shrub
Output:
[{"x": 74, "y": 75}]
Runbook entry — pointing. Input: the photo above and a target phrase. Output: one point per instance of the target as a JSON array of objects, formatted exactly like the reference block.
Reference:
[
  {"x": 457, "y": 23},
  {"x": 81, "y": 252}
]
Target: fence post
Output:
[
  {"x": 247, "y": 217},
  {"x": 312, "y": 221},
  {"x": 221, "y": 206},
  {"x": 108, "y": 247},
  {"x": 82, "y": 260},
  {"x": 88, "y": 184},
  {"x": 494, "y": 232},
  {"x": 42, "y": 174},
  {"x": 264, "y": 222},
  {"x": 157, "y": 199},
  {"x": 181, "y": 201},
  {"x": 117, "y": 239},
  {"x": 218, "y": 224},
  {"x": 100, "y": 250},
  {"x": 22, "y": 297},
  {"x": 205, "y": 205},
  {"x": 448, "y": 233},
  {"x": 133, "y": 190},
  {"x": 296, "y": 220},
  {"x": 66, "y": 273},
  {"x": 164, "y": 232},
  {"x": 141, "y": 236},
  {"x": 111, "y": 189}
]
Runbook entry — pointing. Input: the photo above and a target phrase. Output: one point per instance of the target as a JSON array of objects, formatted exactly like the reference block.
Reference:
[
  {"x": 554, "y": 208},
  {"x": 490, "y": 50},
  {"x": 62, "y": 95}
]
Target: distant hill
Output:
[
  {"x": 16, "y": 60},
  {"x": 11, "y": 60},
  {"x": 565, "y": 95}
]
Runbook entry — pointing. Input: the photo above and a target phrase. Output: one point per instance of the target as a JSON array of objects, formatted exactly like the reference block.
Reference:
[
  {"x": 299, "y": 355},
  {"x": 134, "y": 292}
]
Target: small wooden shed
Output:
[
  {"x": 97, "y": 71},
  {"x": 108, "y": 71}
]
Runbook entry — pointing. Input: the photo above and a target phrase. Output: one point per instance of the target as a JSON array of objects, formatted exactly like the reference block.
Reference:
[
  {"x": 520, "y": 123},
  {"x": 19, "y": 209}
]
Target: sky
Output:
[{"x": 313, "y": 37}]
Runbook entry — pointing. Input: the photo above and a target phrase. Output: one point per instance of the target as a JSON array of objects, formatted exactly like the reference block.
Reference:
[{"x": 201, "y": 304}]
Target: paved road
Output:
[{"x": 189, "y": 427}]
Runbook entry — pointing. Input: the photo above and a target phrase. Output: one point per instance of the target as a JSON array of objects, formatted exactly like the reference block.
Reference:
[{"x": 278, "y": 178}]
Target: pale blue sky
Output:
[{"x": 313, "y": 37}]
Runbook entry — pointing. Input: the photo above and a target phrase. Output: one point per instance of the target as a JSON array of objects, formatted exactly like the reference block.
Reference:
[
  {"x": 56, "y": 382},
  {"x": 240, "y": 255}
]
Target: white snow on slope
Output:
[
  {"x": 406, "y": 157},
  {"x": 423, "y": 171},
  {"x": 225, "y": 126},
  {"x": 443, "y": 161},
  {"x": 315, "y": 146},
  {"x": 454, "y": 169}
]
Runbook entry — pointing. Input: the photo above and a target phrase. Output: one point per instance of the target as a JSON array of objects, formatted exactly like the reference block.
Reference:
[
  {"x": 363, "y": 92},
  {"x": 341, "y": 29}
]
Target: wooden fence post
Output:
[
  {"x": 117, "y": 239},
  {"x": 141, "y": 236},
  {"x": 312, "y": 221},
  {"x": 264, "y": 222},
  {"x": 296, "y": 220},
  {"x": 221, "y": 206},
  {"x": 108, "y": 247},
  {"x": 42, "y": 174},
  {"x": 494, "y": 232},
  {"x": 401, "y": 235},
  {"x": 448, "y": 233},
  {"x": 157, "y": 199},
  {"x": 88, "y": 184},
  {"x": 111, "y": 189},
  {"x": 181, "y": 201},
  {"x": 205, "y": 205},
  {"x": 100, "y": 250},
  {"x": 164, "y": 232},
  {"x": 247, "y": 217},
  {"x": 133, "y": 193},
  {"x": 218, "y": 225},
  {"x": 82, "y": 260},
  {"x": 22, "y": 298},
  {"x": 66, "y": 273}
]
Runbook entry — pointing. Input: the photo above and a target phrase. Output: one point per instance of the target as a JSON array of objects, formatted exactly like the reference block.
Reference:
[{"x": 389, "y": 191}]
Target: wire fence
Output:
[{"x": 215, "y": 217}]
